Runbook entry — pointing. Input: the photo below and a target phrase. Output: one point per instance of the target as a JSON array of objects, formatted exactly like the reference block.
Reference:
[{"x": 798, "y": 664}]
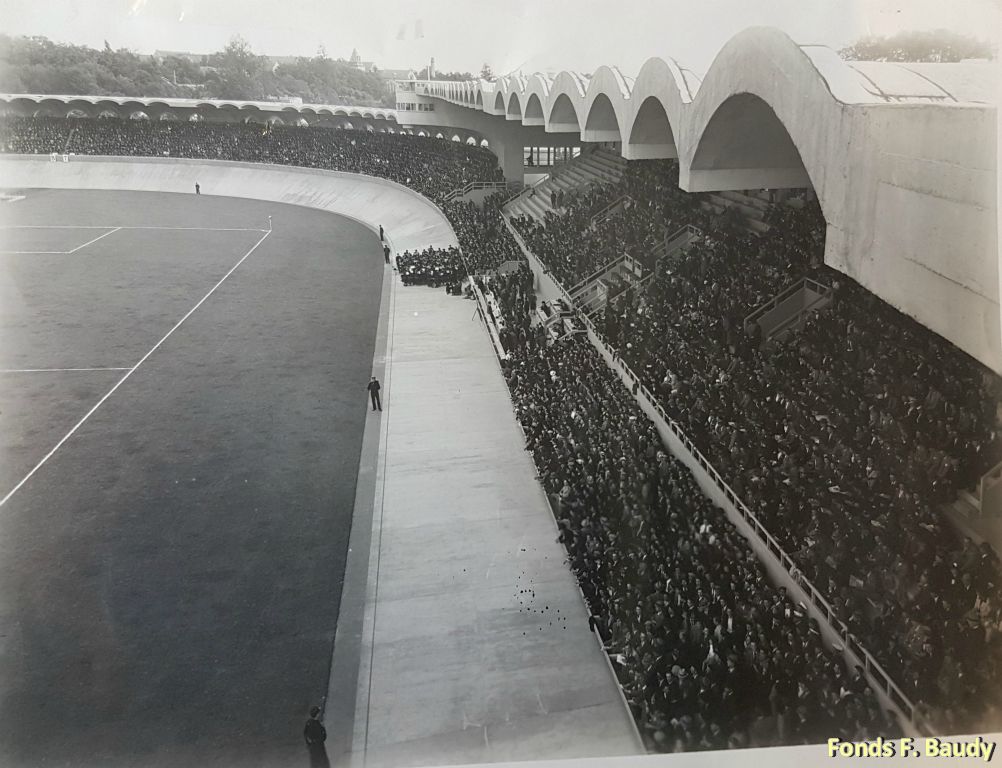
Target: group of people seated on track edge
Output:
[{"x": 844, "y": 438}]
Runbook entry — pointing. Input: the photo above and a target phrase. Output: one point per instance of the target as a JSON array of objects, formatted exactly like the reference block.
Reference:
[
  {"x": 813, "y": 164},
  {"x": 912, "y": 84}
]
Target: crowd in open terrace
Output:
[
  {"x": 844, "y": 438},
  {"x": 430, "y": 166}
]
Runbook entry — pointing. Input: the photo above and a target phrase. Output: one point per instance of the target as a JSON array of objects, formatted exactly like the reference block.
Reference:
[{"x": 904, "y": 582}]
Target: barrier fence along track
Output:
[{"x": 874, "y": 671}]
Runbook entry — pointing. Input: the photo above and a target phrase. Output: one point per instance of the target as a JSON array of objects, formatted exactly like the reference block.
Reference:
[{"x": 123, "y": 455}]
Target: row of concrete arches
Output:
[
  {"x": 183, "y": 109},
  {"x": 759, "y": 114}
]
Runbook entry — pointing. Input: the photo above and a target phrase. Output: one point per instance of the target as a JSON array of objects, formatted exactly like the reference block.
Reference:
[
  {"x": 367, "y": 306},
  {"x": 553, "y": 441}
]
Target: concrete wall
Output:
[{"x": 411, "y": 221}]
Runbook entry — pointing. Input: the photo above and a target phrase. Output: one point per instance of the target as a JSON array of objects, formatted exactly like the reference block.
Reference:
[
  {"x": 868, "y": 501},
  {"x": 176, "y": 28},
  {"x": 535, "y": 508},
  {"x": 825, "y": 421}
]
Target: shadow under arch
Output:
[
  {"x": 651, "y": 135},
  {"x": 563, "y": 118},
  {"x": 601, "y": 123},
  {"x": 746, "y": 146},
  {"x": 514, "y": 108}
]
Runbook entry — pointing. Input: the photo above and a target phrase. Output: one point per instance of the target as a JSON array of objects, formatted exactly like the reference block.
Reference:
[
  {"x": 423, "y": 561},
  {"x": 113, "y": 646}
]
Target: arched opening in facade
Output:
[
  {"x": 514, "y": 107},
  {"x": 439, "y": 136},
  {"x": 499, "y": 103},
  {"x": 455, "y": 137},
  {"x": 480, "y": 100},
  {"x": 302, "y": 122},
  {"x": 485, "y": 144},
  {"x": 601, "y": 123},
  {"x": 76, "y": 114},
  {"x": 422, "y": 133},
  {"x": 169, "y": 116},
  {"x": 534, "y": 109},
  {"x": 651, "y": 136},
  {"x": 138, "y": 114},
  {"x": 107, "y": 114},
  {"x": 195, "y": 118},
  {"x": 563, "y": 118},
  {"x": 746, "y": 146},
  {"x": 471, "y": 141}
]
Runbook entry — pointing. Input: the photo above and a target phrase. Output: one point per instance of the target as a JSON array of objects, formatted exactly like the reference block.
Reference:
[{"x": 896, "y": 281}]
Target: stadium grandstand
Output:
[{"x": 717, "y": 466}]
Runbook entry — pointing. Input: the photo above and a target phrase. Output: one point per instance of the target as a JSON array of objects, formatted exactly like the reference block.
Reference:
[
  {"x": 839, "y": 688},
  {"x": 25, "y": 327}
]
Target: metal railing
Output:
[
  {"x": 874, "y": 671},
  {"x": 988, "y": 491},
  {"x": 608, "y": 210},
  {"x": 598, "y": 273},
  {"x": 477, "y": 185},
  {"x": 785, "y": 294}
]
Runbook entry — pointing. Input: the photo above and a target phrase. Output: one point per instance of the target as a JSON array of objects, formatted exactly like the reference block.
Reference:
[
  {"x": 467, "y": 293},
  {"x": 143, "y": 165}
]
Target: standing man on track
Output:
[
  {"x": 374, "y": 394},
  {"x": 315, "y": 735},
  {"x": 386, "y": 253},
  {"x": 381, "y": 233},
  {"x": 198, "y": 189}
]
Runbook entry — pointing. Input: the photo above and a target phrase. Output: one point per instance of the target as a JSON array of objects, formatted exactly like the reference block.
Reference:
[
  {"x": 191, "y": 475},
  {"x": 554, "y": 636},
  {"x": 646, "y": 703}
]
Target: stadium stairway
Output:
[{"x": 595, "y": 166}]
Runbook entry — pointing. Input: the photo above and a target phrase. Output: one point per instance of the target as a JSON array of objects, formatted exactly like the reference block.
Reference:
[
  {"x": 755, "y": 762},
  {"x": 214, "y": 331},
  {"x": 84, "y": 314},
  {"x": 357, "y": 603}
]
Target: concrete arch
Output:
[
  {"x": 650, "y": 135},
  {"x": 499, "y": 106},
  {"x": 747, "y": 112},
  {"x": 602, "y": 122},
  {"x": 480, "y": 100},
  {"x": 564, "y": 103},
  {"x": 514, "y": 108},
  {"x": 673, "y": 88},
  {"x": 533, "y": 111},
  {"x": 746, "y": 141}
]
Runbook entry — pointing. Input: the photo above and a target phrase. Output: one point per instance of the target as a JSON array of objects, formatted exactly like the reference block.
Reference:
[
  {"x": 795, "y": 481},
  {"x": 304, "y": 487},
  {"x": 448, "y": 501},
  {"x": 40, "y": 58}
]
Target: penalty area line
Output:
[{"x": 128, "y": 373}]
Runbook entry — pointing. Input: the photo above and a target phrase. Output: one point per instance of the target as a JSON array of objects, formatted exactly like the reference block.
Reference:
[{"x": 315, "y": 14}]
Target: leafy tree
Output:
[
  {"x": 486, "y": 73},
  {"x": 939, "y": 45},
  {"x": 37, "y": 65}
]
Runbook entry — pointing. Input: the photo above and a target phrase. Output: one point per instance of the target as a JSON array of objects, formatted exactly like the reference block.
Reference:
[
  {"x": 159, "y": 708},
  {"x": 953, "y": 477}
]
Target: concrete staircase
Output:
[{"x": 598, "y": 166}]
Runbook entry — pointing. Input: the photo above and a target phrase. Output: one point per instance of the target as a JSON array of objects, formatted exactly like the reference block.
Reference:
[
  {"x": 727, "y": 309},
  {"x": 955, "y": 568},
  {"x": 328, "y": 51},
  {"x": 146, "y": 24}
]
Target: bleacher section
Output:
[{"x": 595, "y": 166}]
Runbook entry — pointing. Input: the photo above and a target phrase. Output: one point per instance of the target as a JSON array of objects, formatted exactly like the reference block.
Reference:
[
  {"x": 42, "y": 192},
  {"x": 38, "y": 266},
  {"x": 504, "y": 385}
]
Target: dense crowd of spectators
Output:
[
  {"x": 573, "y": 246},
  {"x": 710, "y": 653},
  {"x": 843, "y": 438},
  {"x": 433, "y": 167}
]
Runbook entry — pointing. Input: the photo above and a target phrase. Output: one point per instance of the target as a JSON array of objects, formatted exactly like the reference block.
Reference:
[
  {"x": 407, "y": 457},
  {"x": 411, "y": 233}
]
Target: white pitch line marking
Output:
[
  {"x": 34, "y": 253},
  {"x": 55, "y": 370},
  {"x": 92, "y": 226},
  {"x": 91, "y": 242},
  {"x": 129, "y": 372}
]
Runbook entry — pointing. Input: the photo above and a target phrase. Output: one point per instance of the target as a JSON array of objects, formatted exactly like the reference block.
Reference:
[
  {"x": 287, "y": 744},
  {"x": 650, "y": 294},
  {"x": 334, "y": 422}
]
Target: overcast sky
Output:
[{"x": 527, "y": 34}]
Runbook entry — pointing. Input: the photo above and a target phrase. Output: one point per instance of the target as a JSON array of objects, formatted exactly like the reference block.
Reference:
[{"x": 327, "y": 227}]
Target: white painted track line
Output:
[
  {"x": 129, "y": 372},
  {"x": 114, "y": 226},
  {"x": 89, "y": 242},
  {"x": 55, "y": 370}
]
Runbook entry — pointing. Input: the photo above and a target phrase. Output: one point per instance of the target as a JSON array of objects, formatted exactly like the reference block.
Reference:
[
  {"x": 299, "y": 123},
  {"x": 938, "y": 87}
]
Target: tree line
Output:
[{"x": 38, "y": 65}]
